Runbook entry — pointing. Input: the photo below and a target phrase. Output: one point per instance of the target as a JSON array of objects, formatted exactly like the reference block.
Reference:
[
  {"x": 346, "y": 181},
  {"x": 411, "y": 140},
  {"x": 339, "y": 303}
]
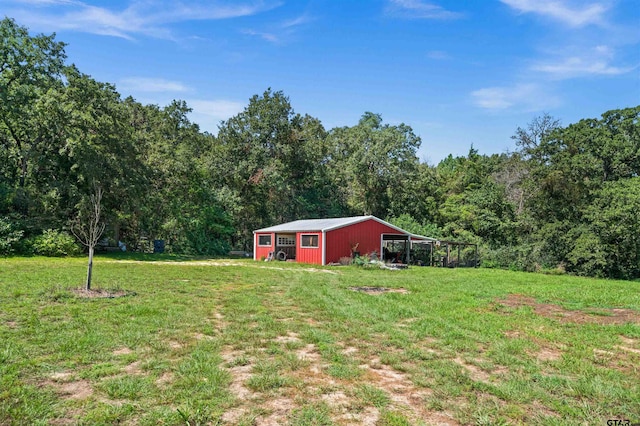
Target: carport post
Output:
[{"x": 407, "y": 247}]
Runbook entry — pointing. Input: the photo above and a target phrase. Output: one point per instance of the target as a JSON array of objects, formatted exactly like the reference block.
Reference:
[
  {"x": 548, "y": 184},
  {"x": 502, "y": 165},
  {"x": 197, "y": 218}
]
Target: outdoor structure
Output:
[{"x": 325, "y": 241}]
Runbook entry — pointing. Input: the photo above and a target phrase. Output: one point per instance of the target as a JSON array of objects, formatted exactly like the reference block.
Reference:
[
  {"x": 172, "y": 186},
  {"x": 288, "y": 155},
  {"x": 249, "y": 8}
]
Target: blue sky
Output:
[{"x": 458, "y": 72}]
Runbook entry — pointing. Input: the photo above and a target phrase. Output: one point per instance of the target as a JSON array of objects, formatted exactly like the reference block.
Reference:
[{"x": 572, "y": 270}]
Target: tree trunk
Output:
[{"x": 89, "y": 268}]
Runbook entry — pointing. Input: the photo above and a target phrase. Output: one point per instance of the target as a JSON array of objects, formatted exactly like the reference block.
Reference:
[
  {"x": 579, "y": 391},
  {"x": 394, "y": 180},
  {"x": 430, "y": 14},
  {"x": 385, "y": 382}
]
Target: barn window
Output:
[
  {"x": 264, "y": 240},
  {"x": 309, "y": 241},
  {"x": 286, "y": 240}
]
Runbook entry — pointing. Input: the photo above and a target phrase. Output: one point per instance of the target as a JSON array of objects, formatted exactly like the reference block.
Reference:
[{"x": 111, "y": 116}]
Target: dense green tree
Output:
[
  {"x": 181, "y": 203},
  {"x": 271, "y": 159},
  {"x": 29, "y": 67},
  {"x": 371, "y": 162},
  {"x": 613, "y": 246},
  {"x": 89, "y": 141}
]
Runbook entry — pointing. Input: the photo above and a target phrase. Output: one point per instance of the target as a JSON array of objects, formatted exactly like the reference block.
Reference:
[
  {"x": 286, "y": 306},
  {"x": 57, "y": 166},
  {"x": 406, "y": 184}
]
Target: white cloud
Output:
[
  {"x": 271, "y": 37},
  {"x": 522, "y": 97},
  {"x": 151, "y": 18},
  {"x": 208, "y": 113},
  {"x": 576, "y": 67},
  {"x": 419, "y": 9},
  {"x": 218, "y": 109},
  {"x": 280, "y": 32},
  {"x": 576, "y": 16},
  {"x": 596, "y": 61},
  {"x": 300, "y": 20},
  {"x": 144, "y": 84}
]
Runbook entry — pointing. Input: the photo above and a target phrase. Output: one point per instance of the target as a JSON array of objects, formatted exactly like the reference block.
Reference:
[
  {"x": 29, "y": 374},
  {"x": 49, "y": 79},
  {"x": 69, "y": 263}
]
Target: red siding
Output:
[
  {"x": 367, "y": 234},
  {"x": 262, "y": 251},
  {"x": 309, "y": 255}
]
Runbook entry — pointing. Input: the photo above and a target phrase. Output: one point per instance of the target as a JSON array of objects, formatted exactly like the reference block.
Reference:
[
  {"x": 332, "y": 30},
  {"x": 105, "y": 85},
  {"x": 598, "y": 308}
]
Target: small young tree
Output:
[{"x": 88, "y": 227}]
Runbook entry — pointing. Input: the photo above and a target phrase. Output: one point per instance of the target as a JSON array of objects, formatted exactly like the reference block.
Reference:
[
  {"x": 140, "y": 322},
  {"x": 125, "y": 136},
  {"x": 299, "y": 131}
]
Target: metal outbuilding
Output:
[{"x": 325, "y": 241}]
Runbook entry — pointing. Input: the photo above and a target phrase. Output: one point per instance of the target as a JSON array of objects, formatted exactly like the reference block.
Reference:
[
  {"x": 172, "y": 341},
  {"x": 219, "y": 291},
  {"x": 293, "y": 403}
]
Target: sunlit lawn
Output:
[{"x": 243, "y": 342}]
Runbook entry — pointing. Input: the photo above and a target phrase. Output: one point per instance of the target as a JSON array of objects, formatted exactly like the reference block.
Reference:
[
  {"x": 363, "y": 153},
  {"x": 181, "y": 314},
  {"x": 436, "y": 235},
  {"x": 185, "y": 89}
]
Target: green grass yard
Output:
[{"x": 243, "y": 342}]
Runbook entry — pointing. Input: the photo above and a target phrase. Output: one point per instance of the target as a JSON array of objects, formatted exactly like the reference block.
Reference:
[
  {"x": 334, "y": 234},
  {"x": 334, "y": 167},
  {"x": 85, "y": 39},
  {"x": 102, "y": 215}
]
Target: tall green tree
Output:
[
  {"x": 371, "y": 162},
  {"x": 29, "y": 67},
  {"x": 614, "y": 223},
  {"x": 181, "y": 204},
  {"x": 271, "y": 159}
]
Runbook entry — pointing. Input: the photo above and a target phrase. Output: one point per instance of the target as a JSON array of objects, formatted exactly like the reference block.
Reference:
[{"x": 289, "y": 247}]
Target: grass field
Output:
[{"x": 243, "y": 342}]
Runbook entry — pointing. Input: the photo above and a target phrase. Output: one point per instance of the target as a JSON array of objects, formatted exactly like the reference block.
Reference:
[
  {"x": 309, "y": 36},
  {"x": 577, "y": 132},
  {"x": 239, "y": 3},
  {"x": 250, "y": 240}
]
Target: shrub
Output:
[
  {"x": 55, "y": 243},
  {"x": 9, "y": 236}
]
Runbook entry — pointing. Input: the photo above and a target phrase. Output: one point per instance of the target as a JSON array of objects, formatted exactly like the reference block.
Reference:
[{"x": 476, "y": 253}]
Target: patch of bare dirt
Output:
[
  {"x": 628, "y": 345},
  {"x": 165, "y": 379},
  {"x": 548, "y": 354},
  {"x": 402, "y": 392},
  {"x": 367, "y": 417},
  {"x": 336, "y": 399},
  {"x": 548, "y": 310},
  {"x": 474, "y": 372},
  {"x": 317, "y": 386},
  {"x": 629, "y": 341},
  {"x": 310, "y": 353},
  {"x": 133, "y": 368},
  {"x": 379, "y": 290},
  {"x": 233, "y": 416},
  {"x": 175, "y": 345},
  {"x": 122, "y": 351},
  {"x": 312, "y": 321},
  {"x": 239, "y": 373},
  {"x": 290, "y": 337},
  {"x": 69, "y": 389},
  {"x": 278, "y": 409},
  {"x": 200, "y": 336},
  {"x": 62, "y": 421},
  {"x": 61, "y": 376},
  {"x": 80, "y": 389},
  {"x": 407, "y": 322},
  {"x": 628, "y": 349},
  {"x": 440, "y": 419},
  {"x": 70, "y": 418},
  {"x": 349, "y": 350},
  {"x": 220, "y": 323},
  {"x": 11, "y": 324},
  {"x": 100, "y": 293}
]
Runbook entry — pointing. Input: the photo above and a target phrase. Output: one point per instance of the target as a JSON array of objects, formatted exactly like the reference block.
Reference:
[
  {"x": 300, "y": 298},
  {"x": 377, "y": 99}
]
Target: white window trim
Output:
[
  {"x": 270, "y": 240},
  {"x": 310, "y": 235},
  {"x": 286, "y": 240}
]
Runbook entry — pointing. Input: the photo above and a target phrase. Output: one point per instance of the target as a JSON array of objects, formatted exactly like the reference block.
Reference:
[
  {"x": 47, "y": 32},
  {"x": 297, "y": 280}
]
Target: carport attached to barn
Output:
[{"x": 323, "y": 241}]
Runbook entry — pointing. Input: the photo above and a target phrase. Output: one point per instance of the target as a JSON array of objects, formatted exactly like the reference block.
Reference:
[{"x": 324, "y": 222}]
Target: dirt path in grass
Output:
[
  {"x": 220, "y": 263},
  {"x": 593, "y": 316},
  {"x": 311, "y": 388}
]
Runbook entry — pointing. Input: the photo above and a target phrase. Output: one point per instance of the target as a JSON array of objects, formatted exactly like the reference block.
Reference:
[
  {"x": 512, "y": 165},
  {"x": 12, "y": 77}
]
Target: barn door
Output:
[{"x": 286, "y": 243}]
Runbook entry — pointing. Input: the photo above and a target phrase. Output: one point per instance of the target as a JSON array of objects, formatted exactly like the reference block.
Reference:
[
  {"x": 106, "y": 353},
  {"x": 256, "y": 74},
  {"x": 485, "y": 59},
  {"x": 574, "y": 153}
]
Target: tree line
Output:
[{"x": 567, "y": 199}]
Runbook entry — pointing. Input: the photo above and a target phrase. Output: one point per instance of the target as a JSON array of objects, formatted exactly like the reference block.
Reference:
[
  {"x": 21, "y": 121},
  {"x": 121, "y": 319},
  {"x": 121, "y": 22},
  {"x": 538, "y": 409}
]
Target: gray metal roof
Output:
[
  {"x": 308, "y": 225},
  {"x": 323, "y": 225}
]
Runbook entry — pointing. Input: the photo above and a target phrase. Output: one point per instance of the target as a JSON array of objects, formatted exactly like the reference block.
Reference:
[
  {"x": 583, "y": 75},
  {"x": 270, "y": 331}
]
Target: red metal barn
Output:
[{"x": 324, "y": 241}]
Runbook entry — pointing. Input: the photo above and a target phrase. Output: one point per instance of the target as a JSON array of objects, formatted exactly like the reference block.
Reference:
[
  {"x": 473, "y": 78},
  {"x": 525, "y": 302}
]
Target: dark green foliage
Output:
[
  {"x": 9, "y": 236},
  {"x": 567, "y": 200},
  {"x": 409, "y": 223},
  {"x": 614, "y": 226},
  {"x": 371, "y": 162},
  {"x": 55, "y": 243}
]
